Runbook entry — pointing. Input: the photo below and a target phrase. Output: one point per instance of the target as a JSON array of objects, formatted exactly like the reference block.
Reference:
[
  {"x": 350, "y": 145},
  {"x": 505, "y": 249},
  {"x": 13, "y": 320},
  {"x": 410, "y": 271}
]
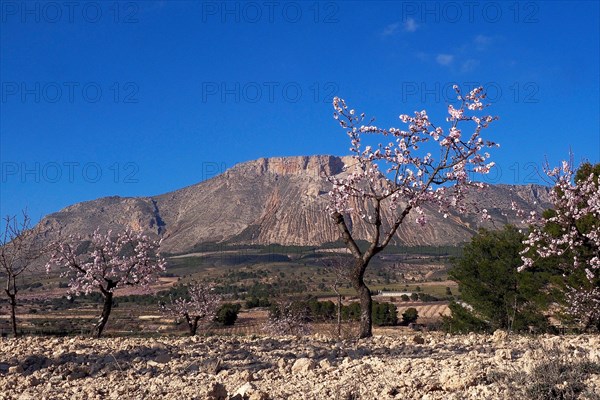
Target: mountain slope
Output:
[{"x": 274, "y": 200}]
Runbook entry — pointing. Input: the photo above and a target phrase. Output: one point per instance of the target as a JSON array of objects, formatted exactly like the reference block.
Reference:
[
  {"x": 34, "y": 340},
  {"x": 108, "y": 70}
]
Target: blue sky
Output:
[{"x": 141, "y": 98}]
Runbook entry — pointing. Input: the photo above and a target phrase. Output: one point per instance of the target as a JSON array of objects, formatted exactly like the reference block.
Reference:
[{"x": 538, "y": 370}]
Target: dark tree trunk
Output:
[
  {"x": 13, "y": 311},
  {"x": 339, "y": 315},
  {"x": 192, "y": 324},
  {"x": 361, "y": 261},
  {"x": 108, "y": 300},
  {"x": 588, "y": 324},
  {"x": 364, "y": 294},
  {"x": 108, "y": 303}
]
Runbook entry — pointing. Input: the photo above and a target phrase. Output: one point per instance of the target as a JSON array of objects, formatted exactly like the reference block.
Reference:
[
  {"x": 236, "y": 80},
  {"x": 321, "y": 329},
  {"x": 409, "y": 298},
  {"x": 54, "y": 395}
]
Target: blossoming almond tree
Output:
[
  {"x": 424, "y": 164},
  {"x": 570, "y": 234},
  {"x": 107, "y": 262},
  {"x": 201, "y": 306}
]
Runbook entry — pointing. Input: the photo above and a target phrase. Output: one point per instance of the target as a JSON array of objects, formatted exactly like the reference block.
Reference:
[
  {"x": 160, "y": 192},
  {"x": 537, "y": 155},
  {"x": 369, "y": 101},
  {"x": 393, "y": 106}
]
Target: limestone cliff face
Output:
[
  {"x": 271, "y": 200},
  {"x": 116, "y": 213},
  {"x": 307, "y": 166}
]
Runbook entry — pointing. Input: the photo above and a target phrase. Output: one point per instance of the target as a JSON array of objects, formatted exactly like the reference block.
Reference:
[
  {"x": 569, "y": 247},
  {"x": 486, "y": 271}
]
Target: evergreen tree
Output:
[{"x": 494, "y": 295}]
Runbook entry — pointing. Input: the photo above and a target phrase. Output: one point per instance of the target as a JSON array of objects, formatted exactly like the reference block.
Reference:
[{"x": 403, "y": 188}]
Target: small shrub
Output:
[
  {"x": 410, "y": 315},
  {"x": 227, "y": 314},
  {"x": 287, "y": 318},
  {"x": 425, "y": 297},
  {"x": 555, "y": 376},
  {"x": 252, "y": 302}
]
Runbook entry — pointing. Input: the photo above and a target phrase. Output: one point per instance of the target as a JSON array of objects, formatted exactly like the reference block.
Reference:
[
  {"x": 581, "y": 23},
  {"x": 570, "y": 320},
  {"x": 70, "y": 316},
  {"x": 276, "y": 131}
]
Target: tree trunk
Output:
[
  {"x": 339, "y": 316},
  {"x": 361, "y": 261},
  {"x": 366, "y": 302},
  {"x": 108, "y": 300},
  {"x": 192, "y": 324},
  {"x": 366, "y": 320},
  {"x": 13, "y": 312}
]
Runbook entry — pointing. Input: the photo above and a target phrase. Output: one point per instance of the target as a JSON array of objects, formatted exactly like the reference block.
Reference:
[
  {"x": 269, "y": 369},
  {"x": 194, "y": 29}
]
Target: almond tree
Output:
[
  {"x": 18, "y": 251},
  {"x": 424, "y": 164},
  {"x": 106, "y": 262},
  {"x": 201, "y": 306},
  {"x": 570, "y": 234}
]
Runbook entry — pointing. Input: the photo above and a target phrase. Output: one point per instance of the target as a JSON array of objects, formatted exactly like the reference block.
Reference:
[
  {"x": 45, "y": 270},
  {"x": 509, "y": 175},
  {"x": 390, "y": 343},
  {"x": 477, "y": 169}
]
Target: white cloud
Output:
[
  {"x": 482, "y": 42},
  {"x": 391, "y": 29},
  {"x": 444, "y": 59},
  {"x": 469, "y": 65},
  {"x": 410, "y": 25}
]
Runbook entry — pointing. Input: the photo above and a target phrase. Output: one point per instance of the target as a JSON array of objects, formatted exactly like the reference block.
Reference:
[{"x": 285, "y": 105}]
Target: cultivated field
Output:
[{"x": 241, "y": 273}]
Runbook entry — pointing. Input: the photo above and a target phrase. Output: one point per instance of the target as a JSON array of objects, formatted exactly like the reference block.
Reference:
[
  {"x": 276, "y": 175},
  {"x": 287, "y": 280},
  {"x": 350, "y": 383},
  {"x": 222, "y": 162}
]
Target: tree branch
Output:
[{"x": 346, "y": 235}]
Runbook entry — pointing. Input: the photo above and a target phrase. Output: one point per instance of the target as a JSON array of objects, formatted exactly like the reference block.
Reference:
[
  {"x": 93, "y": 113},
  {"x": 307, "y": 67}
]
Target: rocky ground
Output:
[{"x": 421, "y": 366}]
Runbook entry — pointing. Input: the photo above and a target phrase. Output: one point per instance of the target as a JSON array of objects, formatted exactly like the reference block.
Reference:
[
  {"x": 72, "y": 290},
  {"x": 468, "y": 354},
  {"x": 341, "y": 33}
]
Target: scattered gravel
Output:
[{"x": 424, "y": 366}]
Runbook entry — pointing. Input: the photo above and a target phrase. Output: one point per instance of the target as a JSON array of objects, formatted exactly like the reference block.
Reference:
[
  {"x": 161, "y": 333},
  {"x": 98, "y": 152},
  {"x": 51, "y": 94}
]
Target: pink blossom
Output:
[
  {"x": 403, "y": 176},
  {"x": 201, "y": 307},
  {"x": 574, "y": 246},
  {"x": 411, "y": 175},
  {"x": 109, "y": 261},
  {"x": 571, "y": 201}
]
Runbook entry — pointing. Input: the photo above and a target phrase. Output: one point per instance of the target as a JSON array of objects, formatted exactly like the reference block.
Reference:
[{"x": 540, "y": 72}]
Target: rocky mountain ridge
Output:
[{"x": 272, "y": 200}]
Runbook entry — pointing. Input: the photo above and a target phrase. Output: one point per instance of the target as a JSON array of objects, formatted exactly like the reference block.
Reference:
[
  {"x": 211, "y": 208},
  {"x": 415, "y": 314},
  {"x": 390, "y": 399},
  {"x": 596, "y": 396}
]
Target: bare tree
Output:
[
  {"x": 18, "y": 251},
  {"x": 287, "y": 318},
  {"x": 340, "y": 267}
]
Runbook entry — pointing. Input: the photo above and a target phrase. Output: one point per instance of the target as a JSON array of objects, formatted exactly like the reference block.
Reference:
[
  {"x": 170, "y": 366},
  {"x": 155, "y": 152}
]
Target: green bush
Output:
[
  {"x": 351, "y": 312},
  {"x": 385, "y": 314},
  {"x": 322, "y": 310},
  {"x": 462, "y": 321},
  {"x": 410, "y": 315},
  {"x": 227, "y": 314},
  {"x": 253, "y": 302},
  {"x": 425, "y": 297}
]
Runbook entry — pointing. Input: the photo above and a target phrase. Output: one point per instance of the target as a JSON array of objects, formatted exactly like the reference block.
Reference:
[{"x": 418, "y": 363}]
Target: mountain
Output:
[{"x": 273, "y": 200}]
